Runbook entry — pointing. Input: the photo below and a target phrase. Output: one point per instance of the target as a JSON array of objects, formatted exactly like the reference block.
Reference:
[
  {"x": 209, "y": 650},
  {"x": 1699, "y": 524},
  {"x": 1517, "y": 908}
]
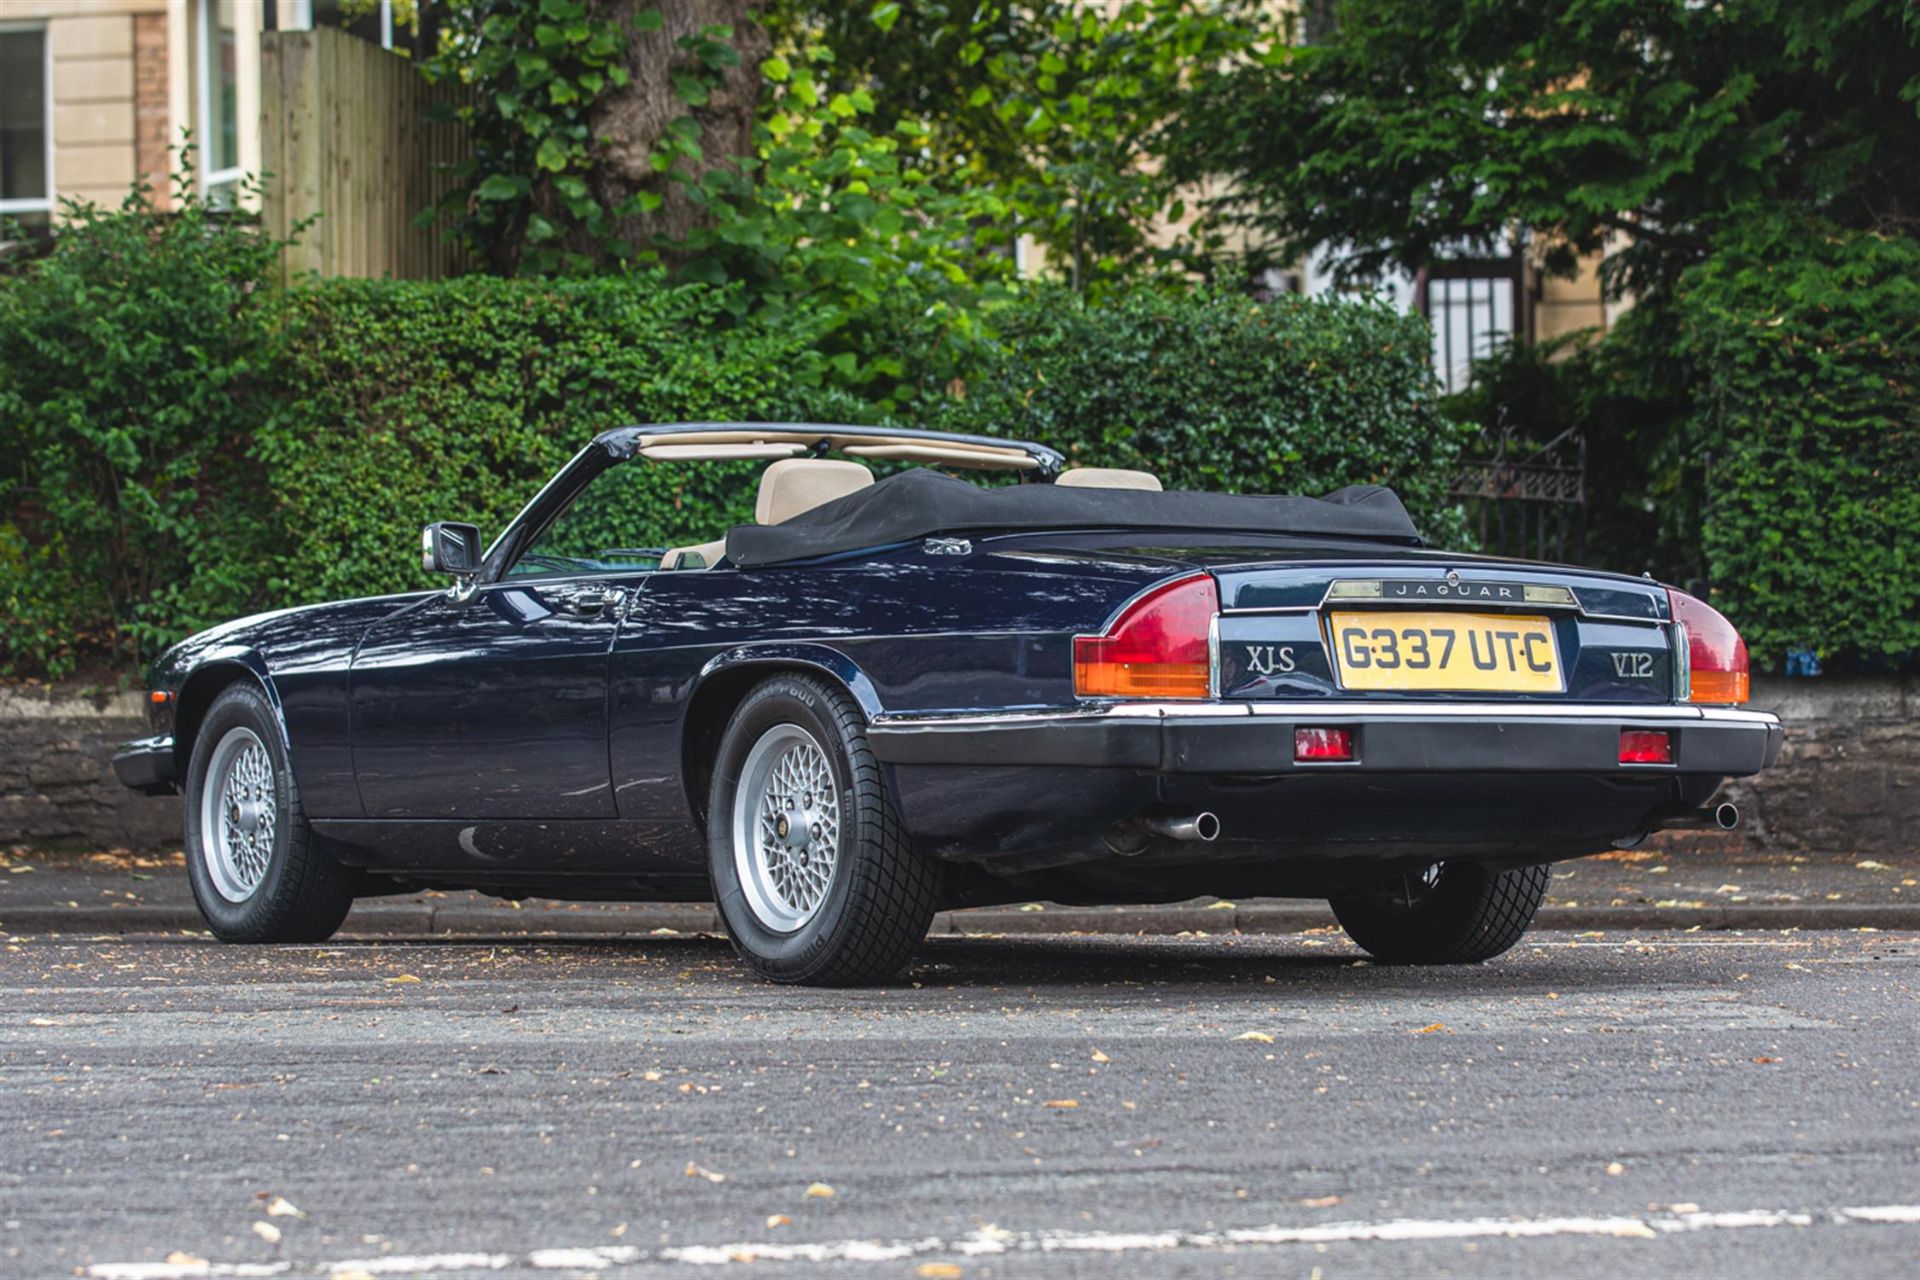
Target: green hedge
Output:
[
  {"x": 196, "y": 445},
  {"x": 1807, "y": 345}
]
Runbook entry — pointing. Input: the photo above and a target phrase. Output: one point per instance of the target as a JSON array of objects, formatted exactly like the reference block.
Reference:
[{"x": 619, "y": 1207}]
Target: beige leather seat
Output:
[
  {"x": 793, "y": 485},
  {"x": 787, "y": 488},
  {"x": 1108, "y": 478}
]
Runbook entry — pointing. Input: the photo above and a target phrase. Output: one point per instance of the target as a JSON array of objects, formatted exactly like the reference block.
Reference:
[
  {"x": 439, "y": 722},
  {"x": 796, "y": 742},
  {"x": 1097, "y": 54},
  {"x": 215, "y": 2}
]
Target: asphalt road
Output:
[{"x": 1588, "y": 1105}]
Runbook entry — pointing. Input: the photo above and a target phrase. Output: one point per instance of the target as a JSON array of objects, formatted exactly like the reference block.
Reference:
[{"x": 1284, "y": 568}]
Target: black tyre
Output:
[
  {"x": 814, "y": 876},
  {"x": 258, "y": 872},
  {"x": 1455, "y": 913}
]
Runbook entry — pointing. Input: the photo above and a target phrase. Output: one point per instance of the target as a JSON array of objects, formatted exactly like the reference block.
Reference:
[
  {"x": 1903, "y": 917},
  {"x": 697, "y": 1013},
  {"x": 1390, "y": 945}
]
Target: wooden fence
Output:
[{"x": 344, "y": 134}]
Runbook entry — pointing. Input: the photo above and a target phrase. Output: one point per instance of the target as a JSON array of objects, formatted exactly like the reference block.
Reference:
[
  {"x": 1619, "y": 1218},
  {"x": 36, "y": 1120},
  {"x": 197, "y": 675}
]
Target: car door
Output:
[
  {"x": 490, "y": 701},
  {"x": 493, "y": 706}
]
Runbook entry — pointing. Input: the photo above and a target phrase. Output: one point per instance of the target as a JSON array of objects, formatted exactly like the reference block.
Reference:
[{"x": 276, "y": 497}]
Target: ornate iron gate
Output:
[{"x": 1525, "y": 501}]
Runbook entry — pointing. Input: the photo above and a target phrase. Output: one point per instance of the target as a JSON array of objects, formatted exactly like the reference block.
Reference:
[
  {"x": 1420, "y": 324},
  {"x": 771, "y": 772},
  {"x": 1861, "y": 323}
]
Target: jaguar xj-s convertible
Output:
[{"x": 886, "y": 697}]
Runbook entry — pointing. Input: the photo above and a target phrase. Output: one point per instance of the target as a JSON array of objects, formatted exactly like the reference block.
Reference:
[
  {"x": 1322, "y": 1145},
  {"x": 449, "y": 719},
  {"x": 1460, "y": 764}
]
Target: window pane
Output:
[
  {"x": 23, "y": 115},
  {"x": 219, "y": 137},
  {"x": 603, "y": 531}
]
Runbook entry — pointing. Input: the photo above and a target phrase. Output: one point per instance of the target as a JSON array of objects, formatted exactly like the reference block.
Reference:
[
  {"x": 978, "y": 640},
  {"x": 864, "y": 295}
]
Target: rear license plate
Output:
[{"x": 1446, "y": 651}]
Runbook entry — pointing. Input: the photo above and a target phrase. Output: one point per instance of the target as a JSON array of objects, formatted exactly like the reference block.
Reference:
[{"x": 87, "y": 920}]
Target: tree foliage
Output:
[
  {"x": 586, "y": 116},
  {"x": 1640, "y": 128},
  {"x": 1065, "y": 111}
]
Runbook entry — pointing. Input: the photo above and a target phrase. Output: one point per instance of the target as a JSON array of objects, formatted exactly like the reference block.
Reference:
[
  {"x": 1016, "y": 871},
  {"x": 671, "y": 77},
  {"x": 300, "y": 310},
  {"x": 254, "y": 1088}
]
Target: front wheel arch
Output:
[{"x": 196, "y": 696}]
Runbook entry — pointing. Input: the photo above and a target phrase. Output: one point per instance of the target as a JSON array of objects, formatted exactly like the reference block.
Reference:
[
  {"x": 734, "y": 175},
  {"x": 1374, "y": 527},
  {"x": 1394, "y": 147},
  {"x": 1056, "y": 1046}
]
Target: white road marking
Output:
[{"x": 993, "y": 1240}]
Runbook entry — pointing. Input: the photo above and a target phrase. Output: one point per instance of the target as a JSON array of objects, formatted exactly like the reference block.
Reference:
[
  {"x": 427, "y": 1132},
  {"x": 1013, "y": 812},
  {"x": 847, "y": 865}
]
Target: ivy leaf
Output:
[
  {"x": 648, "y": 20},
  {"x": 562, "y": 10},
  {"x": 552, "y": 155},
  {"x": 690, "y": 89},
  {"x": 776, "y": 69},
  {"x": 884, "y": 15},
  {"x": 499, "y": 186}
]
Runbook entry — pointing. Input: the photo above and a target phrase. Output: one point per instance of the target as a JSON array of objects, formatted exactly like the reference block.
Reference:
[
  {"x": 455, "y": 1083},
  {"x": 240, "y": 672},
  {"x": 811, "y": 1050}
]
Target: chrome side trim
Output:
[
  {"x": 1331, "y": 709},
  {"x": 1213, "y": 655}
]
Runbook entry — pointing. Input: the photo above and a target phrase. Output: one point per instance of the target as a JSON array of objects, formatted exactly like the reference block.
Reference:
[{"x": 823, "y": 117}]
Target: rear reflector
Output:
[
  {"x": 1321, "y": 745},
  {"x": 1646, "y": 746}
]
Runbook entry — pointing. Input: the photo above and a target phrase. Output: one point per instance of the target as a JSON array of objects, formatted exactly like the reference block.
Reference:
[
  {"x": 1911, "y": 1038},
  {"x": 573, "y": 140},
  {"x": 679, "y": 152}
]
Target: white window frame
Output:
[
  {"x": 43, "y": 204},
  {"x": 205, "y": 124}
]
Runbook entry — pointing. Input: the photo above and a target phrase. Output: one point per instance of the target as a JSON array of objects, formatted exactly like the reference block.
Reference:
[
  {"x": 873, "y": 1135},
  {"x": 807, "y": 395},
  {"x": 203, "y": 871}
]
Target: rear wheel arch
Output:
[{"x": 725, "y": 684}]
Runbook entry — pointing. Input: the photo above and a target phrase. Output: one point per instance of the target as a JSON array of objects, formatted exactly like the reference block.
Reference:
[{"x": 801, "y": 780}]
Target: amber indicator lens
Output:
[
  {"x": 1646, "y": 746},
  {"x": 1321, "y": 746}
]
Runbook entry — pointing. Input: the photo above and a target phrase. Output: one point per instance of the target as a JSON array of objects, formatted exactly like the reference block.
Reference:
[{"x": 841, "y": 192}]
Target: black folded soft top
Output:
[{"x": 923, "y": 502}]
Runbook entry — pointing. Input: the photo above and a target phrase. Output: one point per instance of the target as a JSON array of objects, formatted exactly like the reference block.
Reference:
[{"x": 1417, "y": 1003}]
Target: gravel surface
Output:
[{"x": 1726, "y": 1104}]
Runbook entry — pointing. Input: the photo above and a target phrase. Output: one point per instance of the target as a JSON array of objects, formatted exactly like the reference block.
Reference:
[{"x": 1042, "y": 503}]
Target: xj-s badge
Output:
[
  {"x": 1634, "y": 666},
  {"x": 1268, "y": 660}
]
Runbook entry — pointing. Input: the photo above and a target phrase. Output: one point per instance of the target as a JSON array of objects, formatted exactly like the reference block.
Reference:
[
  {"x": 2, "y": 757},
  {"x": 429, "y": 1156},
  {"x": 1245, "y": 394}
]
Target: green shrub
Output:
[
  {"x": 410, "y": 402},
  {"x": 1216, "y": 392},
  {"x": 131, "y": 357},
  {"x": 1807, "y": 345},
  {"x": 184, "y": 445}
]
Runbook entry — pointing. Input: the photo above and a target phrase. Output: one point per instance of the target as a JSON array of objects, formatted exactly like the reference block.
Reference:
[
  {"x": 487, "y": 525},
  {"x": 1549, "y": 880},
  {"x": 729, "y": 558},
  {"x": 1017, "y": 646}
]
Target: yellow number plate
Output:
[{"x": 1445, "y": 650}]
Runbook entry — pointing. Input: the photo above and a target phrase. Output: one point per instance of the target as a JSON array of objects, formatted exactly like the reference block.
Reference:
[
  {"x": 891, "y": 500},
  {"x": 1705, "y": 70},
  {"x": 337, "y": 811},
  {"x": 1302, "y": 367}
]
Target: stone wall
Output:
[
  {"x": 1848, "y": 778},
  {"x": 57, "y": 788}
]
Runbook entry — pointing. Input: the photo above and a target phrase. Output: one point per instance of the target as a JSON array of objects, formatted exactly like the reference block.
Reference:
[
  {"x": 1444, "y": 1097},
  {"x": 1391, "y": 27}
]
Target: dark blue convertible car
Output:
[{"x": 886, "y": 697}]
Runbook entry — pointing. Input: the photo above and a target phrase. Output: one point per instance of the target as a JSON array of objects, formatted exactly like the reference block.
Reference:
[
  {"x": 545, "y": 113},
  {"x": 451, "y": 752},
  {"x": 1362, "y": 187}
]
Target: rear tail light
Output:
[
  {"x": 1646, "y": 746},
  {"x": 1157, "y": 647},
  {"x": 1328, "y": 745},
  {"x": 1715, "y": 657}
]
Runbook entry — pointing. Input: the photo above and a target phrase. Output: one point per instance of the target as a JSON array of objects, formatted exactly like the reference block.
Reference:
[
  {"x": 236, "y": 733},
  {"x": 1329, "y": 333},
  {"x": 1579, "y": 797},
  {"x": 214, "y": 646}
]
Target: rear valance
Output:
[{"x": 920, "y": 503}]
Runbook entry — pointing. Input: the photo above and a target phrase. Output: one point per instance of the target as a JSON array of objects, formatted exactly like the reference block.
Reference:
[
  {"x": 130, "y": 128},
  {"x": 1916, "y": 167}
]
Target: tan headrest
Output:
[
  {"x": 793, "y": 485},
  {"x": 1107, "y": 478}
]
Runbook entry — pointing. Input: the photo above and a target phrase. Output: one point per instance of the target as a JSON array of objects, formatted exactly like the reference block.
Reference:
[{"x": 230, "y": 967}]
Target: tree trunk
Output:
[{"x": 628, "y": 123}]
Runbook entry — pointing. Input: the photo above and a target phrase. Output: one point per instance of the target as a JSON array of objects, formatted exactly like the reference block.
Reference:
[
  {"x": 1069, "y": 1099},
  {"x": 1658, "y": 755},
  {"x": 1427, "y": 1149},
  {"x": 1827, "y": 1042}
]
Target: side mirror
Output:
[{"x": 447, "y": 546}]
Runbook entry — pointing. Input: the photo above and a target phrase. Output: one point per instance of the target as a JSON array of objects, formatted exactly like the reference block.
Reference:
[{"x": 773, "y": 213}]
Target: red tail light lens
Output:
[
  {"x": 1156, "y": 648},
  {"x": 1646, "y": 746},
  {"x": 1716, "y": 655},
  {"x": 1322, "y": 744}
]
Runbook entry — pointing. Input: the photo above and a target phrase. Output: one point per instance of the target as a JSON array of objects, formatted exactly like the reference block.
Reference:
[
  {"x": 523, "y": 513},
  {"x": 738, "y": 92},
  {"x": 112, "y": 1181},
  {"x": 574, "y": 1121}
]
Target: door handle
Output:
[{"x": 584, "y": 602}]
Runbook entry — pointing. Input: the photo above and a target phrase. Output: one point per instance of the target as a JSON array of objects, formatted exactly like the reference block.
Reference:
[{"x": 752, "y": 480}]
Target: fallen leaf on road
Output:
[
  {"x": 1430, "y": 1028},
  {"x": 1763, "y": 1060},
  {"x": 1063, "y": 1104},
  {"x": 778, "y": 1220},
  {"x": 267, "y": 1231},
  {"x": 1868, "y": 864},
  {"x": 1260, "y": 1037},
  {"x": 1615, "y": 1169},
  {"x": 938, "y": 1271},
  {"x": 1100, "y": 1057},
  {"x": 695, "y": 1171},
  {"x": 1034, "y": 906},
  {"x": 403, "y": 977},
  {"x": 650, "y": 1075},
  {"x": 1686, "y": 1206},
  {"x": 279, "y": 1207},
  {"x": 1321, "y": 1202},
  {"x": 489, "y": 1070},
  {"x": 820, "y": 1191},
  {"x": 1221, "y": 906}
]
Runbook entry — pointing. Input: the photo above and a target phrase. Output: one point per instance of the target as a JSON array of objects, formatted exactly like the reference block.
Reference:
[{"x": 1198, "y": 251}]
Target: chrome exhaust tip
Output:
[
  {"x": 1203, "y": 826},
  {"x": 1724, "y": 816}
]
